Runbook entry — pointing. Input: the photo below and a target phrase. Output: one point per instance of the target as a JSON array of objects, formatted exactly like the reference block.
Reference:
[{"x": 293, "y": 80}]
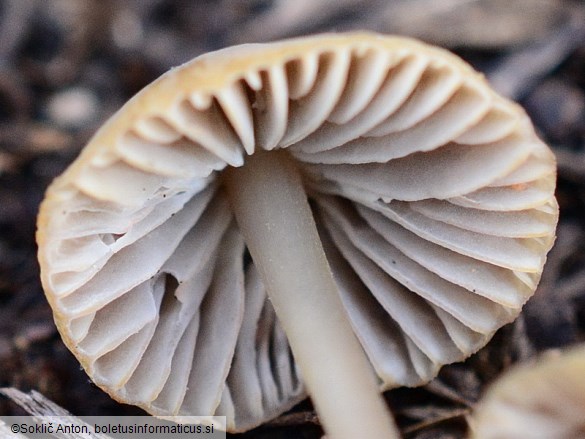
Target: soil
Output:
[{"x": 66, "y": 65}]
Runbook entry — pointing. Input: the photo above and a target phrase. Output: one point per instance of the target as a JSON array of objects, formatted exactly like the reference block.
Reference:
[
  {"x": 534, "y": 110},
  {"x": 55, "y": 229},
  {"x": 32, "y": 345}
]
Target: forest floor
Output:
[{"x": 66, "y": 65}]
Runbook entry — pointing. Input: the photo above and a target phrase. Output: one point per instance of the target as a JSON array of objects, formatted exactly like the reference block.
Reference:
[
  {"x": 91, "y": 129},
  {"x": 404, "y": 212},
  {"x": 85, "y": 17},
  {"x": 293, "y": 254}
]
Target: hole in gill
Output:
[
  {"x": 110, "y": 238},
  {"x": 170, "y": 305},
  {"x": 171, "y": 285},
  {"x": 247, "y": 259}
]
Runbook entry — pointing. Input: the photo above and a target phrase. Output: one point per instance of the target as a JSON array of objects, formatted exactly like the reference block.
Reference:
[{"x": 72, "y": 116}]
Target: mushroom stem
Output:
[{"x": 275, "y": 218}]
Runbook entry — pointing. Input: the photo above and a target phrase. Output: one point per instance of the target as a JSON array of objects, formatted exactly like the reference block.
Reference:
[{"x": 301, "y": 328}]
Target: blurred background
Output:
[{"x": 67, "y": 65}]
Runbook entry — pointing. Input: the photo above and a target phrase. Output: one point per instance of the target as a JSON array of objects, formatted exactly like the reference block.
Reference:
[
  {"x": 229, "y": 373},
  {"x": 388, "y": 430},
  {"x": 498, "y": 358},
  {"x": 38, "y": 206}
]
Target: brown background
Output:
[{"x": 66, "y": 65}]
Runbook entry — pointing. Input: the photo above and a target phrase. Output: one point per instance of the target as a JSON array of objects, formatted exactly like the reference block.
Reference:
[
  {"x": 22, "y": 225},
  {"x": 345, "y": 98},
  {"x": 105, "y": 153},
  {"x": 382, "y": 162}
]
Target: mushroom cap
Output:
[
  {"x": 434, "y": 197},
  {"x": 538, "y": 400}
]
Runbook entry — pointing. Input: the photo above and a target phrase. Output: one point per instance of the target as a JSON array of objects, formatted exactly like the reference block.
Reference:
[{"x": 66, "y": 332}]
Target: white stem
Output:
[{"x": 274, "y": 216}]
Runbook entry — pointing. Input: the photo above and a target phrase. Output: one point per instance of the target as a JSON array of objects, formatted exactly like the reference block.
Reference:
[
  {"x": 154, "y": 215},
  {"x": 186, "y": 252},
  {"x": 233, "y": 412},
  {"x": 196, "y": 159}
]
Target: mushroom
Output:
[
  {"x": 542, "y": 399},
  {"x": 184, "y": 250}
]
